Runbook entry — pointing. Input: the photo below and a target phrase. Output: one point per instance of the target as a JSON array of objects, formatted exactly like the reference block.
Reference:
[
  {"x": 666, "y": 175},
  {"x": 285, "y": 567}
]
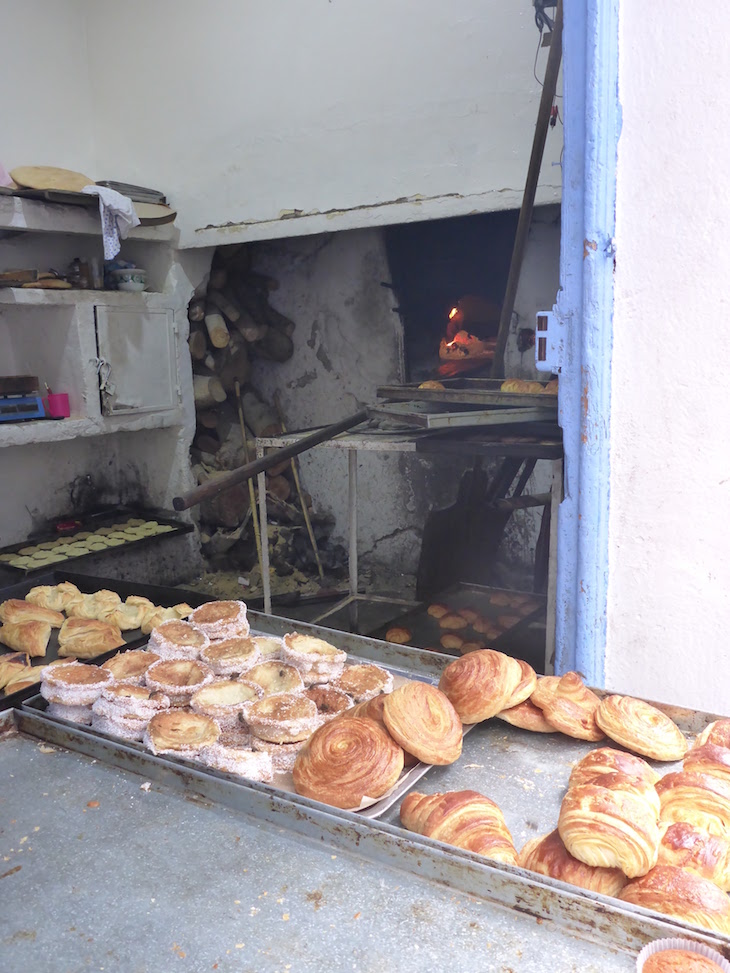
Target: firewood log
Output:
[
  {"x": 196, "y": 310},
  {"x": 262, "y": 281},
  {"x": 226, "y": 509},
  {"x": 208, "y": 419},
  {"x": 198, "y": 344},
  {"x": 236, "y": 368},
  {"x": 279, "y": 487},
  {"x": 260, "y": 417},
  {"x": 225, "y": 305},
  {"x": 208, "y": 391},
  {"x": 210, "y": 362},
  {"x": 274, "y": 346},
  {"x": 217, "y": 329},
  {"x": 218, "y": 278},
  {"x": 249, "y": 328},
  {"x": 280, "y": 321}
]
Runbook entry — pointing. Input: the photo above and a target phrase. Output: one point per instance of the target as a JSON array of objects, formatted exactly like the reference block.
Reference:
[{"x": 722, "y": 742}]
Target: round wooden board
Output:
[
  {"x": 153, "y": 214},
  {"x": 50, "y": 177}
]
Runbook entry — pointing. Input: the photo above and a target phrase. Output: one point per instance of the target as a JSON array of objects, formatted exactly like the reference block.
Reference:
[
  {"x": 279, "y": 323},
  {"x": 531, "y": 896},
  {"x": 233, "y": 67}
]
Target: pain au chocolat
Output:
[
  {"x": 176, "y": 639},
  {"x": 480, "y": 684},
  {"x": 182, "y": 733},
  {"x": 345, "y": 762},
  {"x": 422, "y": 720},
  {"x": 363, "y": 682},
  {"x": 640, "y": 727},
  {"x": 682, "y": 895},
  {"x": 706, "y": 854},
  {"x": 221, "y": 620},
  {"x": 549, "y": 856},
  {"x": 464, "y": 819},
  {"x": 130, "y": 666},
  {"x": 231, "y": 657},
  {"x": 283, "y": 718},
  {"x": 318, "y": 661}
]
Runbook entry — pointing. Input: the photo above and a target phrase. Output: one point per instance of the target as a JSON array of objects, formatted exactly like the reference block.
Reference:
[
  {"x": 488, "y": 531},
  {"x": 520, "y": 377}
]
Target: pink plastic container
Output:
[{"x": 57, "y": 405}]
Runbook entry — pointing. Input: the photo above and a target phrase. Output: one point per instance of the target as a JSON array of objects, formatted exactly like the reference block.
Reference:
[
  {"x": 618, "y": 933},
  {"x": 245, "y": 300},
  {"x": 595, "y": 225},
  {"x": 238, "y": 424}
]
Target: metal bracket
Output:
[{"x": 549, "y": 341}]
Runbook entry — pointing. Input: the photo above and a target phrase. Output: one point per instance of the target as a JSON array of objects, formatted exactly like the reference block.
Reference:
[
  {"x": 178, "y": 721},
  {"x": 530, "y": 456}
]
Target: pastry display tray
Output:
[
  {"x": 469, "y": 391},
  {"x": 526, "y": 774},
  {"x": 88, "y": 524},
  {"x": 160, "y": 595}
]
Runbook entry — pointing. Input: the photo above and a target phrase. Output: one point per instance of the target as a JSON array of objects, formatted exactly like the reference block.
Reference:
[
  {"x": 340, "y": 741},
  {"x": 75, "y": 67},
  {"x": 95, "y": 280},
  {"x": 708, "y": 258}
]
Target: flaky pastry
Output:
[
  {"x": 85, "y": 638},
  {"x": 525, "y": 687},
  {"x": 685, "y": 846},
  {"x": 269, "y": 647},
  {"x": 717, "y": 732},
  {"x": 372, "y": 709},
  {"x": 275, "y": 677},
  {"x": 31, "y": 638},
  {"x": 606, "y": 760},
  {"x": 572, "y": 709},
  {"x": 544, "y": 690},
  {"x": 709, "y": 759},
  {"x": 330, "y": 702},
  {"x": 17, "y": 610},
  {"x": 178, "y": 678},
  {"x": 175, "y": 639},
  {"x": 526, "y": 716},
  {"x": 682, "y": 895},
  {"x": 74, "y": 683},
  {"x": 699, "y": 799},
  {"x": 230, "y": 657},
  {"x": 130, "y": 666},
  {"x": 549, "y": 856},
  {"x": 226, "y": 701},
  {"x": 640, "y": 727},
  {"x": 422, "y": 720},
  {"x": 480, "y": 684}
]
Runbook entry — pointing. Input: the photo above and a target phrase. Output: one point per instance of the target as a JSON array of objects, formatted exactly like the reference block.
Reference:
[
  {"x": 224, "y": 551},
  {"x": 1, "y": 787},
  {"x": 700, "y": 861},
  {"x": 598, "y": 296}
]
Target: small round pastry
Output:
[
  {"x": 126, "y": 728},
  {"x": 178, "y": 678},
  {"x": 453, "y": 622},
  {"x": 230, "y": 657},
  {"x": 549, "y": 856},
  {"x": 225, "y": 701},
  {"x": 74, "y": 714},
  {"x": 96, "y": 546},
  {"x": 283, "y": 718},
  {"x": 269, "y": 647},
  {"x": 372, "y": 709},
  {"x": 27, "y": 551},
  {"x": 103, "y": 531},
  {"x": 317, "y": 660},
  {"x": 438, "y": 610},
  {"x": 114, "y": 541},
  {"x": 46, "y": 546},
  {"x": 469, "y": 614},
  {"x": 506, "y": 622},
  {"x": 572, "y": 709},
  {"x": 283, "y": 755},
  {"x": 526, "y": 716},
  {"x": 6, "y": 557},
  {"x": 81, "y": 535},
  {"x": 73, "y": 683},
  {"x": 221, "y": 620},
  {"x": 432, "y": 384},
  {"x": 640, "y": 727},
  {"x": 275, "y": 677},
  {"x": 685, "y": 846},
  {"x": 131, "y": 666},
  {"x": 240, "y": 761},
  {"x": 347, "y": 761},
  {"x": 330, "y": 702},
  {"x": 180, "y": 733},
  {"x": 682, "y": 895},
  {"x": 604, "y": 761},
  {"x": 175, "y": 639},
  {"x": 526, "y": 686},
  {"x": 500, "y": 599},
  {"x": 163, "y": 528},
  {"x": 156, "y": 617},
  {"x": 364, "y": 681},
  {"x": 76, "y": 550},
  {"x": 127, "y": 701},
  {"x": 480, "y": 684},
  {"x": 487, "y": 627},
  {"x": 423, "y": 721},
  {"x": 467, "y": 647},
  {"x": 398, "y": 634},
  {"x": 134, "y": 522},
  {"x": 680, "y": 961},
  {"x": 451, "y": 641}
]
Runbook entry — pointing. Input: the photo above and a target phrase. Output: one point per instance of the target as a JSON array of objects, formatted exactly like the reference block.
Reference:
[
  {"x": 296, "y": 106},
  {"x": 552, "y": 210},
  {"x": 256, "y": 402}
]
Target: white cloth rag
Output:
[{"x": 118, "y": 216}]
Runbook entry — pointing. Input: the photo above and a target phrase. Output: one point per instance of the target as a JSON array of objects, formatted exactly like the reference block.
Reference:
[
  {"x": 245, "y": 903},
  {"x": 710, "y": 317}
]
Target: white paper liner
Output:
[
  {"x": 168, "y": 648},
  {"x": 226, "y": 628},
  {"x": 252, "y": 764},
  {"x": 232, "y": 665},
  {"x": 75, "y": 714},
  {"x": 659, "y": 945},
  {"x": 125, "y": 729}
]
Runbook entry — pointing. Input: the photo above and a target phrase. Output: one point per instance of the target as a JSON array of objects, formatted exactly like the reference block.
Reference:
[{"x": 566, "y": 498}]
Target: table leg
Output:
[
  {"x": 264, "y": 522},
  {"x": 352, "y": 558},
  {"x": 556, "y": 495}
]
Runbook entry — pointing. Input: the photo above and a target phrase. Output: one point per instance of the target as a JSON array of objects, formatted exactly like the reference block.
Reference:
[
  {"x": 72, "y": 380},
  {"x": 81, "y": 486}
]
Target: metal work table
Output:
[{"x": 424, "y": 442}]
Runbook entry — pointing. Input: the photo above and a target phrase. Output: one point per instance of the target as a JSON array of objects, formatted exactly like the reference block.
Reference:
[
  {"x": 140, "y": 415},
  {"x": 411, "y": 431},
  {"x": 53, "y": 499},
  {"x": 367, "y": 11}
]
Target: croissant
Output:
[
  {"x": 717, "y": 733},
  {"x": 682, "y": 895},
  {"x": 464, "y": 819},
  {"x": 612, "y": 825},
  {"x": 480, "y": 684},
  {"x": 345, "y": 761},
  {"x": 640, "y": 727},
  {"x": 32, "y": 638},
  {"x": 699, "y": 799},
  {"x": 526, "y": 716},
  {"x": 17, "y": 610},
  {"x": 709, "y": 759},
  {"x": 422, "y": 720},
  {"x": 708, "y": 855},
  {"x": 605, "y": 760},
  {"x": 549, "y": 856},
  {"x": 572, "y": 709}
]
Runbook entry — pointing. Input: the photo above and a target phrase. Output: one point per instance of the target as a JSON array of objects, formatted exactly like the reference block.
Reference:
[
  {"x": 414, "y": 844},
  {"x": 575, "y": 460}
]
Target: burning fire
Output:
[{"x": 453, "y": 312}]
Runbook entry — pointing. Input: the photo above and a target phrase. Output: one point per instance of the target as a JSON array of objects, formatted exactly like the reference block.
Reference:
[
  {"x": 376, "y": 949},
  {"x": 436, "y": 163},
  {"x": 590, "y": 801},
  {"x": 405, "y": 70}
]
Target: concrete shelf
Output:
[
  {"x": 39, "y": 297},
  {"x": 60, "y": 430},
  {"x": 18, "y": 215}
]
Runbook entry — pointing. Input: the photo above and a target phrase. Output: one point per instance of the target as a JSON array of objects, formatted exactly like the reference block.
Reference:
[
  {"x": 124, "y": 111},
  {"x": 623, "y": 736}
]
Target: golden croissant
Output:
[
  {"x": 480, "y": 684},
  {"x": 706, "y": 854},
  {"x": 549, "y": 856},
  {"x": 683, "y": 895},
  {"x": 699, "y": 799}
]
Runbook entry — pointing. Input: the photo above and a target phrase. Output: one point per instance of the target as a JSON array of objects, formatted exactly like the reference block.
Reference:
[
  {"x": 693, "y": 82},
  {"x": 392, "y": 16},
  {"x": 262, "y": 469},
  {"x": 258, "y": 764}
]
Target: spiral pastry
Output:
[
  {"x": 572, "y": 709},
  {"x": 698, "y": 799},
  {"x": 544, "y": 690},
  {"x": 640, "y": 727},
  {"x": 605, "y": 760},
  {"x": 708, "y": 855},
  {"x": 372, "y": 709},
  {"x": 345, "y": 761},
  {"x": 423, "y": 721},
  {"x": 181, "y": 733},
  {"x": 464, "y": 819},
  {"x": 525, "y": 687},
  {"x": 526, "y": 716},
  {"x": 549, "y": 856},
  {"x": 480, "y": 684},
  {"x": 682, "y": 895}
]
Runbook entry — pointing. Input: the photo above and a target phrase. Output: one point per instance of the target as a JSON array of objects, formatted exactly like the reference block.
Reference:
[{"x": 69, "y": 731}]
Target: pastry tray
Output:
[
  {"x": 440, "y": 415},
  {"x": 469, "y": 391},
  {"x": 283, "y": 782},
  {"x": 160, "y": 595},
  {"x": 90, "y": 523}
]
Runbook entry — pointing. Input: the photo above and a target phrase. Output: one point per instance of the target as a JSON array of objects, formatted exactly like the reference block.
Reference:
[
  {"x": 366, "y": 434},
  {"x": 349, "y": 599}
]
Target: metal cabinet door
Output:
[{"x": 137, "y": 359}]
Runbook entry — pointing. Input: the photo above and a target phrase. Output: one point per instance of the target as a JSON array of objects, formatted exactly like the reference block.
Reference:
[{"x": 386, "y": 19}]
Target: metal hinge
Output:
[{"x": 549, "y": 341}]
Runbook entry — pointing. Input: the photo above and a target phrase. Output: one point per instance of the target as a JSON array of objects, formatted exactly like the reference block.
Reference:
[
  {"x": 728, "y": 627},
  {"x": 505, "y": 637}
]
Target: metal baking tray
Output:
[
  {"x": 427, "y": 415},
  {"x": 160, "y": 595},
  {"x": 524, "y": 773},
  {"x": 469, "y": 391},
  {"x": 91, "y": 522}
]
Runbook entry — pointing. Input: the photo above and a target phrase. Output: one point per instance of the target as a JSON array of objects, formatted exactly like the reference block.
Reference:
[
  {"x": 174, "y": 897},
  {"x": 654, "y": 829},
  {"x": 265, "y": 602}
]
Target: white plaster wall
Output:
[
  {"x": 326, "y": 114},
  {"x": 669, "y": 540},
  {"x": 48, "y": 116}
]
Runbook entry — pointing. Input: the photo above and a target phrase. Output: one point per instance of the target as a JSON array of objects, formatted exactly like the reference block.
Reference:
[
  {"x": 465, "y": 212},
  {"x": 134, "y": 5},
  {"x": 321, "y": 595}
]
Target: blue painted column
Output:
[{"x": 585, "y": 305}]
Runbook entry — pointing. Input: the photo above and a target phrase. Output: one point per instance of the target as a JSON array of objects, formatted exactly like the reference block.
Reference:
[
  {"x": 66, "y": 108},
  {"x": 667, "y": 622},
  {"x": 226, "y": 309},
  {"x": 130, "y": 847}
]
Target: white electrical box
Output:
[{"x": 549, "y": 341}]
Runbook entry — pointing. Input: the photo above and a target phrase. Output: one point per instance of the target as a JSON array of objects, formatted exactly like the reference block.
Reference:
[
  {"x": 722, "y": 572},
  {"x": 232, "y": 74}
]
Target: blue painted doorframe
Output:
[{"x": 585, "y": 305}]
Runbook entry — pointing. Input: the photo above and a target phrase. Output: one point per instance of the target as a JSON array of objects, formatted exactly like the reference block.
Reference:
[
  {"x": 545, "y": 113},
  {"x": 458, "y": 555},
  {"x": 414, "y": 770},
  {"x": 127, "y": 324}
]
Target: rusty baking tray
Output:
[
  {"x": 116, "y": 517},
  {"x": 469, "y": 391},
  {"x": 431, "y": 415},
  {"x": 160, "y": 595}
]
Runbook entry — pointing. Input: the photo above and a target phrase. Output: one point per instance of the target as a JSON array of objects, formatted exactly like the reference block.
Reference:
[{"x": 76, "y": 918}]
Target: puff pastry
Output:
[
  {"x": 230, "y": 657},
  {"x": 640, "y": 727},
  {"x": 347, "y": 761},
  {"x": 480, "y": 684},
  {"x": 178, "y": 678},
  {"x": 175, "y": 639},
  {"x": 422, "y": 720},
  {"x": 679, "y": 961},
  {"x": 317, "y": 660},
  {"x": 464, "y": 819},
  {"x": 685, "y": 846},
  {"x": 85, "y": 638},
  {"x": 525, "y": 687},
  {"x": 59, "y": 597},
  {"x": 225, "y": 701},
  {"x": 330, "y": 702},
  {"x": 221, "y": 619},
  {"x": 31, "y": 638},
  {"x": 614, "y": 824},
  {"x": 363, "y": 682},
  {"x": 605, "y": 761},
  {"x": 544, "y": 690},
  {"x": 698, "y": 799},
  {"x": 398, "y": 634},
  {"x": 181, "y": 733},
  {"x": 283, "y": 718},
  {"x": 95, "y": 606},
  {"x": 154, "y": 618},
  {"x": 131, "y": 666},
  {"x": 453, "y": 622},
  {"x": 549, "y": 856},
  {"x": 572, "y": 709},
  {"x": 527, "y": 716},
  {"x": 682, "y": 895},
  {"x": 17, "y": 610},
  {"x": 275, "y": 677},
  {"x": 709, "y": 759},
  {"x": 126, "y": 617},
  {"x": 74, "y": 683},
  {"x": 373, "y": 710},
  {"x": 717, "y": 733}
]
